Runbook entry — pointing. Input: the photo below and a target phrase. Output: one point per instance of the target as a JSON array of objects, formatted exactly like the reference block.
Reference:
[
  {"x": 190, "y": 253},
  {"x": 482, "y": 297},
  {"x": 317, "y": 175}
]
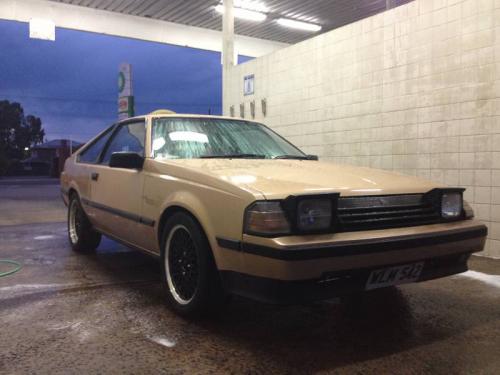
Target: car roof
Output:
[{"x": 183, "y": 115}]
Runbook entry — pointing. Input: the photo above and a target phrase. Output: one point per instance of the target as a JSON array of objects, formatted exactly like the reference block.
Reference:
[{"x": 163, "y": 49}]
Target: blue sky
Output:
[{"x": 72, "y": 83}]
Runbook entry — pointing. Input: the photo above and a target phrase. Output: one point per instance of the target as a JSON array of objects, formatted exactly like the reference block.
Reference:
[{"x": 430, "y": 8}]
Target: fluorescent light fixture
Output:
[
  {"x": 298, "y": 25},
  {"x": 44, "y": 29},
  {"x": 251, "y": 5},
  {"x": 244, "y": 14}
]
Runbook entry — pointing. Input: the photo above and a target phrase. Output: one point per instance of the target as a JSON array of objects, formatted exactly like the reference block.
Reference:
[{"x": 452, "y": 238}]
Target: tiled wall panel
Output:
[{"x": 415, "y": 90}]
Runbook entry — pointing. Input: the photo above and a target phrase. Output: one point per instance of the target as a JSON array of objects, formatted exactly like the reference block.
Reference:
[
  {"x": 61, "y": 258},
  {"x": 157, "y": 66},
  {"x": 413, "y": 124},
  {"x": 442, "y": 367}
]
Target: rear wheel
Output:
[
  {"x": 190, "y": 276},
  {"x": 82, "y": 237}
]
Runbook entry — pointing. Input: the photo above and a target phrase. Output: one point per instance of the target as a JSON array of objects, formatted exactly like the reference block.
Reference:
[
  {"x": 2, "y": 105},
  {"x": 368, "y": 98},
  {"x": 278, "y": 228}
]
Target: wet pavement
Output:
[{"x": 67, "y": 313}]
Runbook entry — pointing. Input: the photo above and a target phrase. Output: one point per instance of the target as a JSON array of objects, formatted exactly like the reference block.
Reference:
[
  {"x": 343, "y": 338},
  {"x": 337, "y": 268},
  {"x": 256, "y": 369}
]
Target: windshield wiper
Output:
[
  {"x": 297, "y": 157},
  {"x": 233, "y": 156}
]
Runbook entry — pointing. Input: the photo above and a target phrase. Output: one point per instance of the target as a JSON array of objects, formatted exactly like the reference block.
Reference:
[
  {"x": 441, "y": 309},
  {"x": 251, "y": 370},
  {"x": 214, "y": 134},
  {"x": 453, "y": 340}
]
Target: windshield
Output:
[{"x": 189, "y": 138}]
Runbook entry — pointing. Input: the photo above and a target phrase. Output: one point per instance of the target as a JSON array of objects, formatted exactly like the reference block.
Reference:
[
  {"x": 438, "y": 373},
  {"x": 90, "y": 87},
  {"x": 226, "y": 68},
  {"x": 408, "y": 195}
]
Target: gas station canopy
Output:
[
  {"x": 260, "y": 26},
  {"x": 201, "y": 13}
]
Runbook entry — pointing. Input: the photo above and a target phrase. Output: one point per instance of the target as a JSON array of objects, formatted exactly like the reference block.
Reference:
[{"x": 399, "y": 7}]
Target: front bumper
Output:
[
  {"x": 333, "y": 284},
  {"x": 290, "y": 271}
]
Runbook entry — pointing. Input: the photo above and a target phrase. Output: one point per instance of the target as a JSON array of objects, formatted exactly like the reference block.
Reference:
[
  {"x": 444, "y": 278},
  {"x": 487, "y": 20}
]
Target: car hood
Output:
[{"x": 276, "y": 179}]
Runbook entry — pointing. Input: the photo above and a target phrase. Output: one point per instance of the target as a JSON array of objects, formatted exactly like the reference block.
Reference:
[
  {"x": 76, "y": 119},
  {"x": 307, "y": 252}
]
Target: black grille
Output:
[{"x": 389, "y": 211}]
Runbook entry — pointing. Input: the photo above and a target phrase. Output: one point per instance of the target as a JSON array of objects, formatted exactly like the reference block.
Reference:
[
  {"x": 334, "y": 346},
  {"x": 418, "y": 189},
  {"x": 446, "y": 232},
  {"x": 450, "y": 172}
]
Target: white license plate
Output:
[{"x": 394, "y": 275}]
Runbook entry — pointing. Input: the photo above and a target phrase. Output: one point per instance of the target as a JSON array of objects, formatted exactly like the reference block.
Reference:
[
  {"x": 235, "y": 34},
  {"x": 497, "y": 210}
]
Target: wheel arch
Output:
[
  {"x": 171, "y": 210},
  {"x": 72, "y": 191}
]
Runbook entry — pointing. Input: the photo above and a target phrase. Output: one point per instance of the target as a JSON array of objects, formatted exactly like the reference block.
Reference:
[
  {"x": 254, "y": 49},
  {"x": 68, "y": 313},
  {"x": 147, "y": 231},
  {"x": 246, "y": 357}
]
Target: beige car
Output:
[{"x": 230, "y": 207}]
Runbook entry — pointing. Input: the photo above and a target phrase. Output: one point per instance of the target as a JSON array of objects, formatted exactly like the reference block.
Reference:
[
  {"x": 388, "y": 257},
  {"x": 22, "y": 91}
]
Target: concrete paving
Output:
[
  {"x": 66, "y": 313},
  {"x": 30, "y": 200}
]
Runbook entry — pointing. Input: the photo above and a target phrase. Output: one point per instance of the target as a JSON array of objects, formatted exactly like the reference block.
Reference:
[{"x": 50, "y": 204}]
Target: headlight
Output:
[
  {"x": 314, "y": 215},
  {"x": 311, "y": 213},
  {"x": 266, "y": 218},
  {"x": 469, "y": 212},
  {"x": 449, "y": 201},
  {"x": 451, "y": 205}
]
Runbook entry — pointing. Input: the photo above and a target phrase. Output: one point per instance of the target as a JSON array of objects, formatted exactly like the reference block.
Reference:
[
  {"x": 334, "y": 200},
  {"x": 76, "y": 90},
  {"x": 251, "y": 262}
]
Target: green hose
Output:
[{"x": 17, "y": 267}]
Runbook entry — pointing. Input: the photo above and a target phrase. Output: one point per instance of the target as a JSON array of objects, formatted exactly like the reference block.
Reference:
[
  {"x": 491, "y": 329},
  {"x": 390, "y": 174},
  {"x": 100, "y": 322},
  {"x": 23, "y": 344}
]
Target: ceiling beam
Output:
[{"x": 111, "y": 23}]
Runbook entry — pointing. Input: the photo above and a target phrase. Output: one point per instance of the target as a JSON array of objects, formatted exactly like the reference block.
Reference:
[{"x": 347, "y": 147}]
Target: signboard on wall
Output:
[
  {"x": 125, "y": 93},
  {"x": 42, "y": 29},
  {"x": 249, "y": 85}
]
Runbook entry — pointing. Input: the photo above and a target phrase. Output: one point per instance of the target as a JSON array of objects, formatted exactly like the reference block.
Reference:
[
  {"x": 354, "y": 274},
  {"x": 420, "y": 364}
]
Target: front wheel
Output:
[
  {"x": 82, "y": 237},
  {"x": 190, "y": 276}
]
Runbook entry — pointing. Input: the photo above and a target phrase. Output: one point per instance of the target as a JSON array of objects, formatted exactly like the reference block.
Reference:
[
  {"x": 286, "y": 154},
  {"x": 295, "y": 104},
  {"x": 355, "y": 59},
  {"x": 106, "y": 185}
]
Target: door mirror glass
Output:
[{"x": 128, "y": 160}]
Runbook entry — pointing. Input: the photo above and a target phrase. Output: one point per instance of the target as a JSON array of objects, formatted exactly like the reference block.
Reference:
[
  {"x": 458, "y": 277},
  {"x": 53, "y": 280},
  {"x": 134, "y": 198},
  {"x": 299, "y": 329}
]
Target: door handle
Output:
[{"x": 94, "y": 176}]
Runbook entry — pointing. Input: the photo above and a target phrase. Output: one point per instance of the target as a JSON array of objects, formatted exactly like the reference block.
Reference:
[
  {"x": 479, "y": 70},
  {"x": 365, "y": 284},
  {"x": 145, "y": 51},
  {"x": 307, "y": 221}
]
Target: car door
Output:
[
  {"x": 85, "y": 161},
  {"x": 116, "y": 193}
]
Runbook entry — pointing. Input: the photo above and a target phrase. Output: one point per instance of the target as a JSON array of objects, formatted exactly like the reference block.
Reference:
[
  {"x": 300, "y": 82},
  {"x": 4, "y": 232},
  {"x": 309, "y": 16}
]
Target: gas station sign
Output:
[{"x": 125, "y": 94}]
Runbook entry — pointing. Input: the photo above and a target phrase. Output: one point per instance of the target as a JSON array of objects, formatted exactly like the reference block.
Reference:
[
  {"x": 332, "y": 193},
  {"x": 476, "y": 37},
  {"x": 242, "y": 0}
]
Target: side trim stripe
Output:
[
  {"x": 229, "y": 244},
  {"x": 115, "y": 211},
  {"x": 359, "y": 248}
]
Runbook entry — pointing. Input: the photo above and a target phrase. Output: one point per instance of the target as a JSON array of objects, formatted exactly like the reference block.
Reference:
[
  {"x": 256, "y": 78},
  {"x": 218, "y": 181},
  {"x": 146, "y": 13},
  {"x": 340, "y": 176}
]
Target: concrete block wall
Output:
[{"x": 415, "y": 90}]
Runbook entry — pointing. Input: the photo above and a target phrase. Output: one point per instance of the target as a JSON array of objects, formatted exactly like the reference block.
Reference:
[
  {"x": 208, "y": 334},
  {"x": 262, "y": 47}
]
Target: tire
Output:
[
  {"x": 82, "y": 237},
  {"x": 190, "y": 277}
]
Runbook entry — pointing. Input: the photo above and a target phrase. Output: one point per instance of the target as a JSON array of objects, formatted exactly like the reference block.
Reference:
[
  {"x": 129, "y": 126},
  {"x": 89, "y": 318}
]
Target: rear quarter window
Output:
[
  {"x": 129, "y": 137},
  {"x": 91, "y": 153}
]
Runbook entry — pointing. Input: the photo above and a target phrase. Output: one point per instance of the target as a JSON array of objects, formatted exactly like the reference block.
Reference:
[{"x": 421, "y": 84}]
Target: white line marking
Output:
[
  {"x": 163, "y": 341},
  {"x": 493, "y": 280},
  {"x": 44, "y": 237}
]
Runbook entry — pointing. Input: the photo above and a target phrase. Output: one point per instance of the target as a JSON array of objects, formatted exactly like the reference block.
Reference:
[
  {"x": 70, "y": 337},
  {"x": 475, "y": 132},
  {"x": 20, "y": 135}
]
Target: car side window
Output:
[
  {"x": 91, "y": 153},
  {"x": 127, "y": 138}
]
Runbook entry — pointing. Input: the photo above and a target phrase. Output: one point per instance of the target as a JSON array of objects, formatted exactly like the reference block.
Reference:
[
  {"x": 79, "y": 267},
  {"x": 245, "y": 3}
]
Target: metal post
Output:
[{"x": 227, "y": 45}]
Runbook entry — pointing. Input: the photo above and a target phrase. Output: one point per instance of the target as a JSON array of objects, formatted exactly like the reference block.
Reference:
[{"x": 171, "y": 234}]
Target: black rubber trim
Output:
[
  {"x": 124, "y": 214},
  {"x": 229, "y": 244},
  {"x": 344, "y": 249}
]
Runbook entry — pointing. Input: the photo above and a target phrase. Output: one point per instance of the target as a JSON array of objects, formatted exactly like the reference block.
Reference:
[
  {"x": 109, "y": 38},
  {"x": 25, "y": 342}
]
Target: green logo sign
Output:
[{"x": 121, "y": 81}]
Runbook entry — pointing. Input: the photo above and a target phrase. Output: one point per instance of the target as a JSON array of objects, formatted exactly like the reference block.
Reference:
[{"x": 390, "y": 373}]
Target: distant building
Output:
[{"x": 48, "y": 158}]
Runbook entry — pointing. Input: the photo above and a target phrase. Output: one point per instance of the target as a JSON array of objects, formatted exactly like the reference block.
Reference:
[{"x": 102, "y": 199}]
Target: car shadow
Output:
[
  {"x": 301, "y": 338},
  {"x": 324, "y": 335},
  {"x": 316, "y": 336}
]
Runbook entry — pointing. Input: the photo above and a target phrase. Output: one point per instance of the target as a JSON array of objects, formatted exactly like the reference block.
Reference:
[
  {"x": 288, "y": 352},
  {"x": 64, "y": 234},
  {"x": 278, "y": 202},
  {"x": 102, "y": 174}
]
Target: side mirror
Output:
[
  {"x": 312, "y": 157},
  {"x": 128, "y": 160}
]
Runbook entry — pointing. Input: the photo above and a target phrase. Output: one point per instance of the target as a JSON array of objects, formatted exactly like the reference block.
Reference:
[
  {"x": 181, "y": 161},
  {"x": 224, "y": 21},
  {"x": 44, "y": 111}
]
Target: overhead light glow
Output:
[
  {"x": 251, "y": 5},
  {"x": 244, "y": 14},
  {"x": 188, "y": 137},
  {"x": 298, "y": 25}
]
